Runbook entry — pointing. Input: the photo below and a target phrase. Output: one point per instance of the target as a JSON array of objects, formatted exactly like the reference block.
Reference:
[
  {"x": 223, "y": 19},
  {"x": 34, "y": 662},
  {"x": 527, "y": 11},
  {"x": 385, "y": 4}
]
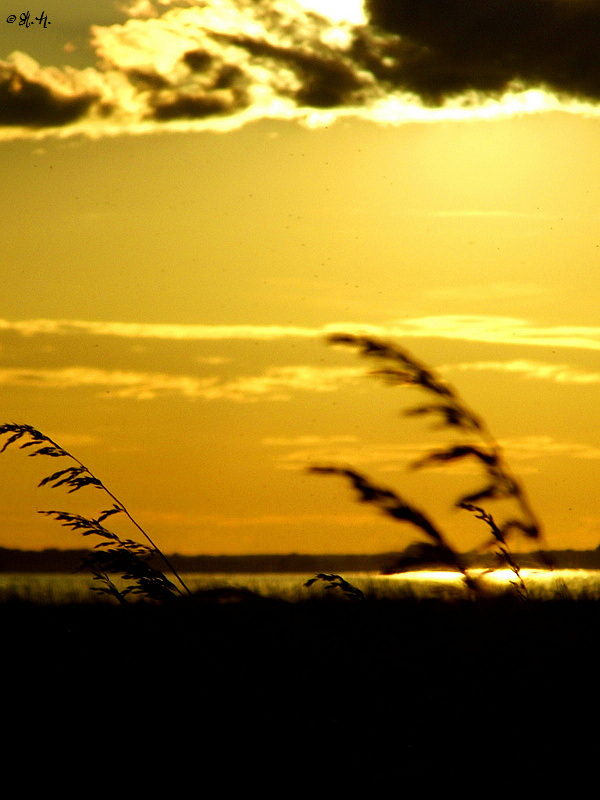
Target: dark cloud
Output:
[
  {"x": 171, "y": 105},
  {"x": 444, "y": 47},
  {"x": 221, "y": 91},
  {"x": 218, "y": 64},
  {"x": 324, "y": 78},
  {"x": 31, "y": 97}
]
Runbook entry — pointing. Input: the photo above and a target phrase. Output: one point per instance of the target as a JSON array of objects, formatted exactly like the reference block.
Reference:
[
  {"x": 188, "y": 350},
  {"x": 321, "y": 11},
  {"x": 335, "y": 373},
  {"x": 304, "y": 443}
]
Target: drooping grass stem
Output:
[
  {"x": 152, "y": 544},
  {"x": 76, "y": 478},
  {"x": 401, "y": 368}
]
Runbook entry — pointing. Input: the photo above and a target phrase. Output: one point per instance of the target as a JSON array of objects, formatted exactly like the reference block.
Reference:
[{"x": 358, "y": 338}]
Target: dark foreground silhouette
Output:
[{"x": 259, "y": 691}]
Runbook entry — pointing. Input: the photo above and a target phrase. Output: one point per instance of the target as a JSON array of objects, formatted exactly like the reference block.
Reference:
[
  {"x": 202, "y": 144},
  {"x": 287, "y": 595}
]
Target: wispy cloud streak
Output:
[
  {"x": 526, "y": 448},
  {"x": 458, "y": 327},
  {"x": 276, "y": 383},
  {"x": 301, "y": 452},
  {"x": 385, "y": 457},
  {"x": 175, "y": 332},
  {"x": 499, "y": 330},
  {"x": 539, "y": 370}
]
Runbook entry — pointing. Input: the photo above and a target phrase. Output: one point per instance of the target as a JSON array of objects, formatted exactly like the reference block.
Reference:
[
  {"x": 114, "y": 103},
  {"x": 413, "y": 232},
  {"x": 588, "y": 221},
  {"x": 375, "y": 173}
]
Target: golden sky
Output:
[{"x": 195, "y": 194}]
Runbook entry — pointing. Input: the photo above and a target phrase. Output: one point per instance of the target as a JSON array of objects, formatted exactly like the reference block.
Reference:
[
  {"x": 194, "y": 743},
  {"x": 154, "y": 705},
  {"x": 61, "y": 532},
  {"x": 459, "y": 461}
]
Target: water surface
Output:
[{"x": 540, "y": 584}]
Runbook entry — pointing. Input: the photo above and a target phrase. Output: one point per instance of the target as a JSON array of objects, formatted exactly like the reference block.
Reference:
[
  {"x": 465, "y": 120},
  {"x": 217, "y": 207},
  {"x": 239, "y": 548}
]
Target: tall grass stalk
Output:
[
  {"x": 113, "y": 555},
  {"x": 505, "y": 556},
  {"x": 476, "y": 442},
  {"x": 333, "y": 581}
]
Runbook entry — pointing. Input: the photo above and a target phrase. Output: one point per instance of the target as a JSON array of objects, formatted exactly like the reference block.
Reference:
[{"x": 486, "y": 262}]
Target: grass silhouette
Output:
[
  {"x": 399, "y": 367},
  {"x": 333, "y": 581},
  {"x": 131, "y": 560},
  {"x": 112, "y": 556}
]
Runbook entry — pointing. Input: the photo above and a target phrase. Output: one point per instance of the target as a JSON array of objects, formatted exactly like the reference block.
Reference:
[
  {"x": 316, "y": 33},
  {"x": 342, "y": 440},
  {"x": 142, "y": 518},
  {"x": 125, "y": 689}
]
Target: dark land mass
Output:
[
  {"x": 55, "y": 560},
  {"x": 310, "y": 698}
]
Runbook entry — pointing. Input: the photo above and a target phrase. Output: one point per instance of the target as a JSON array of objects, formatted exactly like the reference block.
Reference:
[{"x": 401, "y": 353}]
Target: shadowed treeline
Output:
[
  {"x": 69, "y": 561},
  {"x": 54, "y": 560}
]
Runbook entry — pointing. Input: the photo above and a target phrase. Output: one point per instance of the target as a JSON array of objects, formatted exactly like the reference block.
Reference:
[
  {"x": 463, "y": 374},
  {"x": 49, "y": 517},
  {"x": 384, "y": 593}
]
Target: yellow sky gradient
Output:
[{"x": 166, "y": 299}]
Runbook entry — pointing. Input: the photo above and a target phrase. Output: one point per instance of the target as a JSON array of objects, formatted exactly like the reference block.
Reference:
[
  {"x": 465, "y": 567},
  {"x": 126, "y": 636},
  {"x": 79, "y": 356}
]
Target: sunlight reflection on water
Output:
[{"x": 541, "y": 584}]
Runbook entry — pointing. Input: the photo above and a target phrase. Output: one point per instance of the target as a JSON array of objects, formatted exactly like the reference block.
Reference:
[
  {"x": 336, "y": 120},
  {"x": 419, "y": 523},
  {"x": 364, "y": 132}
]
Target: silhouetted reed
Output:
[
  {"x": 401, "y": 368},
  {"x": 113, "y": 556},
  {"x": 504, "y": 556},
  {"x": 333, "y": 582},
  {"x": 131, "y": 560}
]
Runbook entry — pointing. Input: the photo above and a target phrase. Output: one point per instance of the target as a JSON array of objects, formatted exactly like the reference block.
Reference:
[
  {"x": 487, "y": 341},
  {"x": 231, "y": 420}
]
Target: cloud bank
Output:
[
  {"x": 282, "y": 382},
  {"x": 218, "y": 64}
]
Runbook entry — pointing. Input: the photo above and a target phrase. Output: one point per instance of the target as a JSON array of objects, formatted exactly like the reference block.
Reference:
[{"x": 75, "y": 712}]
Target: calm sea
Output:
[{"x": 63, "y": 588}]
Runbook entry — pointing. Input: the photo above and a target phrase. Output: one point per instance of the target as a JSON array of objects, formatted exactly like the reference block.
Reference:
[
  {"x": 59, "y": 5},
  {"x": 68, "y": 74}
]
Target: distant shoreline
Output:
[{"x": 55, "y": 560}]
